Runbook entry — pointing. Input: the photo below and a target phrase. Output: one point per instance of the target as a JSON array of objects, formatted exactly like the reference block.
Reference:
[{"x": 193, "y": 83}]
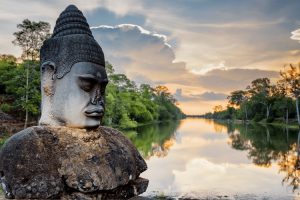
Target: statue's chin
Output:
[
  {"x": 82, "y": 121},
  {"x": 89, "y": 123}
]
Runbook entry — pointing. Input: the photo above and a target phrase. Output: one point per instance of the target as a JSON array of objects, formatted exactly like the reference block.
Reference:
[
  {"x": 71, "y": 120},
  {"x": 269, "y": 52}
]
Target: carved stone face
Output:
[{"x": 78, "y": 97}]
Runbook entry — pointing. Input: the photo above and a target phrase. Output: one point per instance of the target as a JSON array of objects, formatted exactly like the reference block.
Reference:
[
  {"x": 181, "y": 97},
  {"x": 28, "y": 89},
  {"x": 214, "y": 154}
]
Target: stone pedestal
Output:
[{"x": 60, "y": 162}]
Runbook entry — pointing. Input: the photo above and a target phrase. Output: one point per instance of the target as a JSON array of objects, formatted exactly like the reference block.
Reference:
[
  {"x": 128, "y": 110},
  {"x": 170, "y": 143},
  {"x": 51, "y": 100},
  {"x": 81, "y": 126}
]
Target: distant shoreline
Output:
[{"x": 292, "y": 125}]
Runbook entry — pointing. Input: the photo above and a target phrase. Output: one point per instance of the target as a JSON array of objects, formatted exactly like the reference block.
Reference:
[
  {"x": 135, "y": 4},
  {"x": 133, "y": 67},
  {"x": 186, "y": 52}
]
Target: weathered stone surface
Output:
[
  {"x": 50, "y": 162},
  {"x": 127, "y": 191}
]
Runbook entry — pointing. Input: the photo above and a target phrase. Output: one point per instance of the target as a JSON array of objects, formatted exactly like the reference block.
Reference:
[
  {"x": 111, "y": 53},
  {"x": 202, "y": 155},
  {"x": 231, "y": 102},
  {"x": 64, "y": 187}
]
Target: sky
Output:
[{"x": 200, "y": 49}]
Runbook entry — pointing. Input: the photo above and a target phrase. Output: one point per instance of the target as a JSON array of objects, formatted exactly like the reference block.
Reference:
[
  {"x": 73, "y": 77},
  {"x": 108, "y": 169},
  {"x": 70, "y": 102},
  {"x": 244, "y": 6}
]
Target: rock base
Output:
[
  {"x": 67, "y": 163},
  {"x": 133, "y": 188}
]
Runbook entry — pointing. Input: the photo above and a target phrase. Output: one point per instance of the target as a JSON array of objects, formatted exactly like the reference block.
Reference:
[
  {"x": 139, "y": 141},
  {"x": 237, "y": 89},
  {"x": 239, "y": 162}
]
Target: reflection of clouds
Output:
[
  {"x": 224, "y": 178},
  {"x": 204, "y": 164}
]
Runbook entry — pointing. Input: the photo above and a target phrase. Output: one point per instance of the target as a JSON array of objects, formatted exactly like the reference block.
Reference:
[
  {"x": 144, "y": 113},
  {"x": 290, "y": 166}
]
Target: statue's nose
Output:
[{"x": 97, "y": 97}]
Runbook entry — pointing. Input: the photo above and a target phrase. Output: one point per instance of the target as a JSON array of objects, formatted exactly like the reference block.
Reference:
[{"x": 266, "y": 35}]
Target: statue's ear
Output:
[{"x": 48, "y": 69}]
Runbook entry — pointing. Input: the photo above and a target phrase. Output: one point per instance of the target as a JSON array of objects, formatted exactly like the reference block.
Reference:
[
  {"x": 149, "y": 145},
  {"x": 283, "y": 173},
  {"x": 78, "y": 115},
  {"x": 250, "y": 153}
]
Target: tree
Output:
[
  {"x": 239, "y": 98},
  {"x": 30, "y": 38},
  {"x": 218, "y": 108},
  {"x": 291, "y": 78},
  {"x": 261, "y": 92},
  {"x": 283, "y": 103},
  {"x": 7, "y": 64},
  {"x": 13, "y": 87},
  {"x": 164, "y": 94}
]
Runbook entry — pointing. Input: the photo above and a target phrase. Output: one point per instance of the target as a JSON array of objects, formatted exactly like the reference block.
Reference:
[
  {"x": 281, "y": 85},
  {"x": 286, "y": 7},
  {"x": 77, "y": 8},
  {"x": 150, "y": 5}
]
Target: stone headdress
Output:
[{"x": 72, "y": 42}]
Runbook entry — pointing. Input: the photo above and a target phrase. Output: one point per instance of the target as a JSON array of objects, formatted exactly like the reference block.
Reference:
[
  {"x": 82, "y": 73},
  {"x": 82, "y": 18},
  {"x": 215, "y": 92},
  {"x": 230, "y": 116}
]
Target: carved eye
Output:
[{"x": 86, "y": 84}]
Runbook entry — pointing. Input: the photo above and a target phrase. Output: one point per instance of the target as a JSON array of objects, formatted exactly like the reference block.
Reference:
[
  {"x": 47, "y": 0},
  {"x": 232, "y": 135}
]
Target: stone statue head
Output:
[{"x": 73, "y": 76}]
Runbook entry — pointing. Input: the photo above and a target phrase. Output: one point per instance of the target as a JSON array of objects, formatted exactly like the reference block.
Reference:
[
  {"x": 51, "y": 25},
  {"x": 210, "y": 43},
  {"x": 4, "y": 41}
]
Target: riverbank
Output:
[
  {"x": 277, "y": 122},
  {"x": 8, "y": 128},
  {"x": 146, "y": 124},
  {"x": 291, "y": 125}
]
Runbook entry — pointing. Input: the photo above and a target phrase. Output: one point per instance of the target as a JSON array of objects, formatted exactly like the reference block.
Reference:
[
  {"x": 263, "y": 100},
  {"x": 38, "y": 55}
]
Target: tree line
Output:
[
  {"x": 127, "y": 104},
  {"x": 262, "y": 100}
]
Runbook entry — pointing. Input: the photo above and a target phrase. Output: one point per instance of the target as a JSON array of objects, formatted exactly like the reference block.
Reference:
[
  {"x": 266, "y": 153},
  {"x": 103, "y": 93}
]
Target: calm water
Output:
[{"x": 203, "y": 159}]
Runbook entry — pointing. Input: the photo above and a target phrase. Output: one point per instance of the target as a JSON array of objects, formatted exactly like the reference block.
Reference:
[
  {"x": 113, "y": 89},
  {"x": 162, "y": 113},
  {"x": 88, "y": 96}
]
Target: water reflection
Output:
[
  {"x": 154, "y": 140},
  {"x": 269, "y": 144},
  {"x": 203, "y": 159},
  {"x": 263, "y": 143}
]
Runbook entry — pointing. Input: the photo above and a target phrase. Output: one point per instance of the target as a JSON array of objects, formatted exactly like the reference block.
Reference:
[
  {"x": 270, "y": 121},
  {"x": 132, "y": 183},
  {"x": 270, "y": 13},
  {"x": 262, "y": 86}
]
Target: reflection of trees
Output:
[
  {"x": 267, "y": 144},
  {"x": 262, "y": 151},
  {"x": 290, "y": 164},
  {"x": 162, "y": 151},
  {"x": 155, "y": 139},
  {"x": 263, "y": 143},
  {"x": 218, "y": 127},
  {"x": 237, "y": 142}
]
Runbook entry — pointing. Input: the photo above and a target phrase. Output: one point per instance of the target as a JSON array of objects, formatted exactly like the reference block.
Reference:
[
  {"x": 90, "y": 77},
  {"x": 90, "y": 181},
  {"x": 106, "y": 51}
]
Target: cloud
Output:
[
  {"x": 206, "y": 68},
  {"x": 211, "y": 96},
  {"x": 206, "y": 96},
  {"x": 122, "y": 8},
  {"x": 295, "y": 52},
  {"x": 140, "y": 53},
  {"x": 296, "y": 35},
  {"x": 242, "y": 25},
  {"x": 147, "y": 56},
  {"x": 233, "y": 79}
]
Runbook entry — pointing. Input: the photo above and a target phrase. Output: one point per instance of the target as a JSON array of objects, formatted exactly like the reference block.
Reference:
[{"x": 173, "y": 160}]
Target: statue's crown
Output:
[
  {"x": 71, "y": 21},
  {"x": 72, "y": 42}
]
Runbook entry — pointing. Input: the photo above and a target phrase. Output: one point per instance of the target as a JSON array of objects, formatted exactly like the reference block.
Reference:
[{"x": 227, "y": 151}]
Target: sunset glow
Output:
[{"x": 200, "y": 50}]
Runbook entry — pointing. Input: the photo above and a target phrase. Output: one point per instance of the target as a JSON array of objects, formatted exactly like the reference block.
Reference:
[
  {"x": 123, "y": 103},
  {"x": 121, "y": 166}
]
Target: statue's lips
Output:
[{"x": 96, "y": 112}]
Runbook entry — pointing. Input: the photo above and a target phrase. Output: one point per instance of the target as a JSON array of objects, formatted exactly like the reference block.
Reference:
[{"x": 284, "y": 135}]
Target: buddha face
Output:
[{"x": 78, "y": 97}]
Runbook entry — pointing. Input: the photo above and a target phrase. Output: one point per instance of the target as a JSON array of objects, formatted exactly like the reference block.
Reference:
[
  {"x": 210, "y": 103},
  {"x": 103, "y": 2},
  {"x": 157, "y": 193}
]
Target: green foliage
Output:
[
  {"x": 270, "y": 120},
  {"x": 237, "y": 97},
  {"x": 126, "y": 122},
  {"x": 152, "y": 138},
  {"x": 258, "y": 117},
  {"x": 13, "y": 82},
  {"x": 128, "y": 105},
  {"x": 5, "y": 107}
]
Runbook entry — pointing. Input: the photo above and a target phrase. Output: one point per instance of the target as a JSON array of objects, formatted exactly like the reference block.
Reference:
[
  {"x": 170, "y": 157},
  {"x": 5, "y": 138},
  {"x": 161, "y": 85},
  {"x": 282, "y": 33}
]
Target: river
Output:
[{"x": 205, "y": 159}]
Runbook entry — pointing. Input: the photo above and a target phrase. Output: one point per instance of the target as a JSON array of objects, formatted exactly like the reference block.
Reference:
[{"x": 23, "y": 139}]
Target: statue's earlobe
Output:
[{"x": 48, "y": 70}]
